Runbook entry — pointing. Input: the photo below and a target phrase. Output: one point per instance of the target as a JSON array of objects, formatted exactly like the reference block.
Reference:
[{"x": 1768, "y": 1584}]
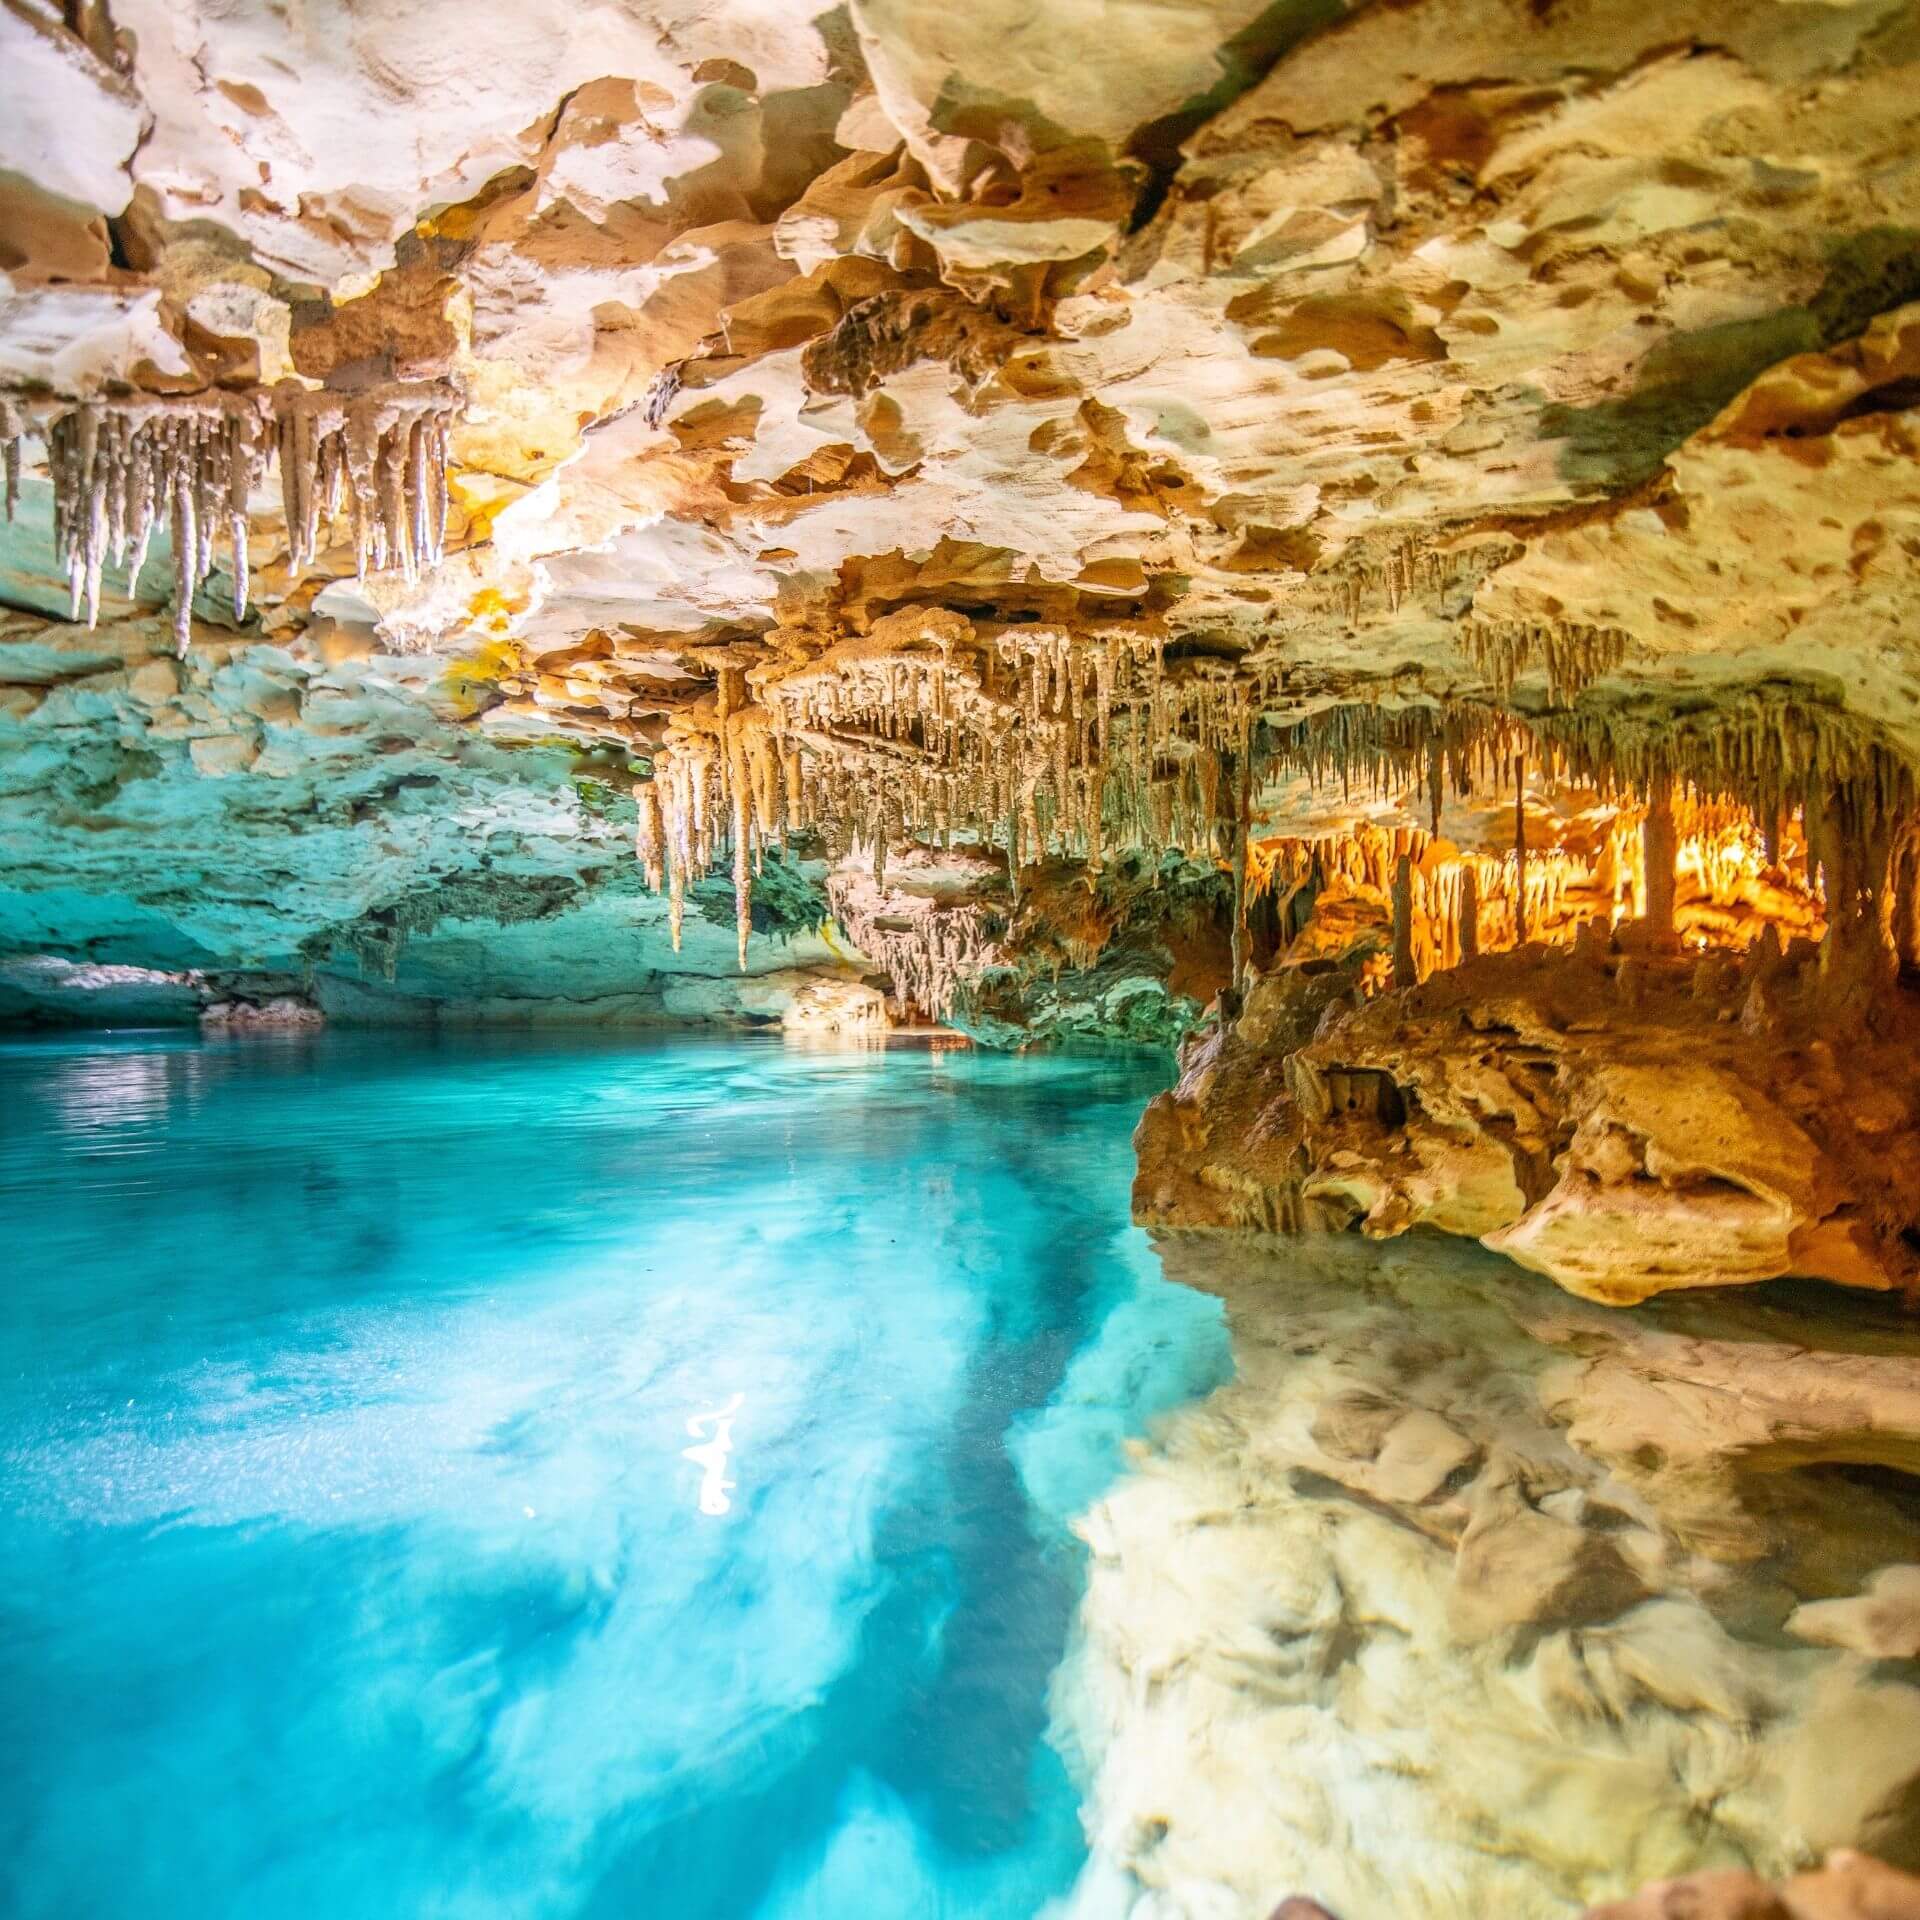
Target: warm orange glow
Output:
[{"x": 1726, "y": 888}]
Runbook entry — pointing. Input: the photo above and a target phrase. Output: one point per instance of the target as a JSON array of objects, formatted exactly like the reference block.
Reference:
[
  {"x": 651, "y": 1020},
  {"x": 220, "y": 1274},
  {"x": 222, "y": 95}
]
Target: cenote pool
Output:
[{"x": 535, "y": 1478}]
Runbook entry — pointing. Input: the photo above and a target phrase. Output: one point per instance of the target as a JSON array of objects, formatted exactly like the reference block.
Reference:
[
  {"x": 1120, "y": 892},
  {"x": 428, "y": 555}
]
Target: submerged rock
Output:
[
  {"x": 1882, "y": 1622},
  {"x": 1849, "y": 1886},
  {"x": 1416, "y": 1614}
]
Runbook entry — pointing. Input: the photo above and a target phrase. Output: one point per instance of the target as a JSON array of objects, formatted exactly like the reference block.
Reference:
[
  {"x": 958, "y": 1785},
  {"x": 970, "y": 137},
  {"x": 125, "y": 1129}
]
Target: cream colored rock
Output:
[
  {"x": 1513, "y": 1692},
  {"x": 1883, "y": 1622},
  {"x": 72, "y": 122},
  {"x": 1525, "y": 1568},
  {"x": 836, "y": 1006},
  {"x": 282, "y": 1015}
]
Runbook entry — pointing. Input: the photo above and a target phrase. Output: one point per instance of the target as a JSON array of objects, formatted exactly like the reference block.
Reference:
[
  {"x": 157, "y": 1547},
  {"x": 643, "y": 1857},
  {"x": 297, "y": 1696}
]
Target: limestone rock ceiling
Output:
[{"x": 900, "y": 419}]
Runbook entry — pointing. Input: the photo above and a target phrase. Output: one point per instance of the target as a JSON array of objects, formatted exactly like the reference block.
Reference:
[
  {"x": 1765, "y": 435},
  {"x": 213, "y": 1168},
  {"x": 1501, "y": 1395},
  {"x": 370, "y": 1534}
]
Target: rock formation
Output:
[
  {"x": 1468, "y": 1599},
  {"x": 1378, "y": 542},
  {"x": 1622, "y": 1122},
  {"x": 863, "y": 433},
  {"x": 1848, "y": 1886}
]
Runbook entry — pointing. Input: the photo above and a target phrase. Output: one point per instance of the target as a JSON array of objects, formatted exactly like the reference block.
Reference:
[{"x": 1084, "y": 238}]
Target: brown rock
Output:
[
  {"x": 1729, "y": 1895},
  {"x": 1622, "y": 1152},
  {"x": 1850, "y": 1886},
  {"x": 1518, "y": 1567}
]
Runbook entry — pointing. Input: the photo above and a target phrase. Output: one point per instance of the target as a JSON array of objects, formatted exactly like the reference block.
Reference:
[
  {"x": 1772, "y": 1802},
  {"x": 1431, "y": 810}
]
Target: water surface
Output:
[{"x": 355, "y": 1561}]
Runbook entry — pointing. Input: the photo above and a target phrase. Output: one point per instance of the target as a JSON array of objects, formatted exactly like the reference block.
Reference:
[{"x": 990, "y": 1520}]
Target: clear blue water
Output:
[{"x": 353, "y": 1560}]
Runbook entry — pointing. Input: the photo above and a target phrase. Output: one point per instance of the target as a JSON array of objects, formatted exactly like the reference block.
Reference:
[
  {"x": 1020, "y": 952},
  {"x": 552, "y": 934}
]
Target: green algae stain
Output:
[
  {"x": 1686, "y": 380},
  {"x": 1868, "y": 273},
  {"x": 1244, "y": 61},
  {"x": 786, "y": 903},
  {"x": 1682, "y": 384}
]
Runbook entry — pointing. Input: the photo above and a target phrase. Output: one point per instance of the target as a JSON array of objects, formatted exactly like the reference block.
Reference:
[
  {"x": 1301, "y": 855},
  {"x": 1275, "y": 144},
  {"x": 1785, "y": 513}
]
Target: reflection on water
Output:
[
  {"x": 710, "y": 1456},
  {"x": 548, "y": 1479}
]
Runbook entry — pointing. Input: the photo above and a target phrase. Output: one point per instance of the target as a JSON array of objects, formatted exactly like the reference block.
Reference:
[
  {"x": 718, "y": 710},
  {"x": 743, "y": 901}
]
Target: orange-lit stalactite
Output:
[{"x": 1725, "y": 890}]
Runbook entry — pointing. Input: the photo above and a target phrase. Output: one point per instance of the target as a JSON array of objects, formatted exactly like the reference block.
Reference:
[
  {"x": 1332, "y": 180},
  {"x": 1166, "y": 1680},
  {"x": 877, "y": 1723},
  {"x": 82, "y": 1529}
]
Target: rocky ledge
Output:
[
  {"x": 1849, "y": 1886},
  {"x": 1622, "y": 1118}
]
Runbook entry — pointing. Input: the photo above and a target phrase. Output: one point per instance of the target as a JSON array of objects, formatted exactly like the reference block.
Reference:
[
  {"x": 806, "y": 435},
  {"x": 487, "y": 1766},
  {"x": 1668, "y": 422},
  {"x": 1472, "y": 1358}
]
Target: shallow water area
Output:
[
  {"x": 1468, "y": 1598},
  {"x": 546, "y": 1478}
]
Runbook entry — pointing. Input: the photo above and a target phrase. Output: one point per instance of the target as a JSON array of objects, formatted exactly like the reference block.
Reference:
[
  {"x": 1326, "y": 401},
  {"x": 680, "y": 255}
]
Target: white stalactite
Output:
[
  {"x": 120, "y": 466},
  {"x": 13, "y": 431},
  {"x": 383, "y": 454},
  {"x": 117, "y": 467}
]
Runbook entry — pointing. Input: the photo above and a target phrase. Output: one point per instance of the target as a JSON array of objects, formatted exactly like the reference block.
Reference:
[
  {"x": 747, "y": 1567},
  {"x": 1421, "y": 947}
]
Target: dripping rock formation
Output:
[{"x": 1100, "y": 437}]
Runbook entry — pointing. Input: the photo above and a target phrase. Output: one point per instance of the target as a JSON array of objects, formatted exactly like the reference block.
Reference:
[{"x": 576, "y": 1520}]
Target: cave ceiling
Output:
[{"x": 1556, "y": 357}]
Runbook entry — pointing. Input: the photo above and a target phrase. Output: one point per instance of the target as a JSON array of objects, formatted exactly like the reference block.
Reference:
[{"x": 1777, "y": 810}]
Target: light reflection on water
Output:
[{"x": 364, "y": 1554}]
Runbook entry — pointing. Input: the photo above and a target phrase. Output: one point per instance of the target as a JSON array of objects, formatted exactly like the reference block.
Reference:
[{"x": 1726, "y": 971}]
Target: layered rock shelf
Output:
[{"x": 1624, "y": 1122}]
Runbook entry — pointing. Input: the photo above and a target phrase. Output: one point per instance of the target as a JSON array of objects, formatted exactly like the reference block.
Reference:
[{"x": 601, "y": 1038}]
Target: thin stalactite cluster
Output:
[
  {"x": 929, "y": 956},
  {"x": 1461, "y": 900},
  {"x": 1573, "y": 653},
  {"x": 383, "y": 455},
  {"x": 119, "y": 470},
  {"x": 192, "y": 465},
  {"x": 1042, "y": 743},
  {"x": 1030, "y": 739}
]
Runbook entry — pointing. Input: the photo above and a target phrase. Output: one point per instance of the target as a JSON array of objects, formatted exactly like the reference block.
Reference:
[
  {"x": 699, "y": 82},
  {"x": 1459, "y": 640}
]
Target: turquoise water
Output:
[{"x": 354, "y": 1560}]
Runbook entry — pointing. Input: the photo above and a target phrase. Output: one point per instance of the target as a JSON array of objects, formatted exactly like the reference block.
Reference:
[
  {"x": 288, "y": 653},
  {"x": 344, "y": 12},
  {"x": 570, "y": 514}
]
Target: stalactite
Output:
[
  {"x": 1574, "y": 655},
  {"x": 13, "y": 431},
  {"x": 1520, "y": 858},
  {"x": 742, "y": 875},
  {"x": 193, "y": 462},
  {"x": 1242, "y": 810},
  {"x": 382, "y": 452},
  {"x": 1657, "y": 858},
  {"x": 649, "y": 835},
  {"x": 1403, "y": 968},
  {"x": 117, "y": 467}
]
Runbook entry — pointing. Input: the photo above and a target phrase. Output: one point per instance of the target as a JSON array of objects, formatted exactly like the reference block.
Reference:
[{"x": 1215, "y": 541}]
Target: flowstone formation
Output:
[
  {"x": 1622, "y": 1122},
  {"x": 1626, "y": 1098}
]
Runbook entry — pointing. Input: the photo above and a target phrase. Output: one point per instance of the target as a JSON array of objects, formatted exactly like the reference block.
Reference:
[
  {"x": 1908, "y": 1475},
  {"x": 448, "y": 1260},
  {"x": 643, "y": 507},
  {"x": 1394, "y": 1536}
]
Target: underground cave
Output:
[{"x": 960, "y": 961}]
